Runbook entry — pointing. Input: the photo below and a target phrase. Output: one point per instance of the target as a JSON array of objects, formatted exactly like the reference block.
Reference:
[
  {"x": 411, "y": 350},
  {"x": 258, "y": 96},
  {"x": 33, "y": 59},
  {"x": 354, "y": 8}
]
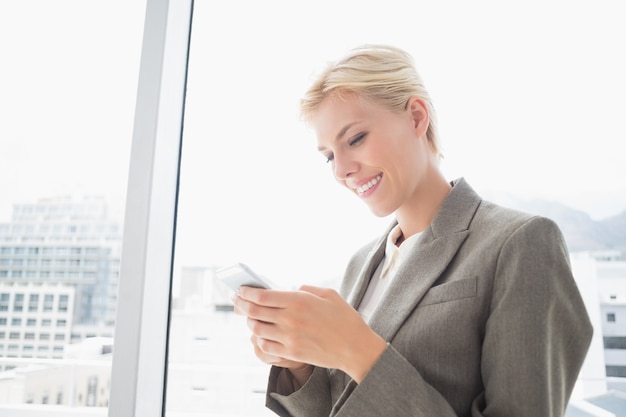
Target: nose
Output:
[{"x": 344, "y": 166}]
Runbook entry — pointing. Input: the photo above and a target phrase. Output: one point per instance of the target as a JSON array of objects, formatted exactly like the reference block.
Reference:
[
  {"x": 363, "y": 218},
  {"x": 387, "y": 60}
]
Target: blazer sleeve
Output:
[
  {"x": 538, "y": 331},
  {"x": 392, "y": 388},
  {"x": 313, "y": 399},
  {"x": 536, "y": 337}
]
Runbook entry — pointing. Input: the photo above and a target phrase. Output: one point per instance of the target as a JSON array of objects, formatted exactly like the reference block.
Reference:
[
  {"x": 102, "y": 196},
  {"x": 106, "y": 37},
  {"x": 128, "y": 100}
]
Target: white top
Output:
[{"x": 394, "y": 257}]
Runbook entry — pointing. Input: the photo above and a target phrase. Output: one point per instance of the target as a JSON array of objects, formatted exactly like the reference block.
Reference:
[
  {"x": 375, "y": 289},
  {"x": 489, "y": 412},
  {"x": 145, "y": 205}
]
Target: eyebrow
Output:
[{"x": 340, "y": 134}]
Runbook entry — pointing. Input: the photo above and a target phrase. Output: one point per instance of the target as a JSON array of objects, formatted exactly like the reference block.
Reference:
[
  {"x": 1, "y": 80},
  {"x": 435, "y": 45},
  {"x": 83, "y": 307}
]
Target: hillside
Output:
[{"x": 581, "y": 232}]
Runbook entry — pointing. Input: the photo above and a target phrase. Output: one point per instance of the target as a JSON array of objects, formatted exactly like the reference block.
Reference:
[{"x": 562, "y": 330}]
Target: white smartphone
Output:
[{"x": 239, "y": 274}]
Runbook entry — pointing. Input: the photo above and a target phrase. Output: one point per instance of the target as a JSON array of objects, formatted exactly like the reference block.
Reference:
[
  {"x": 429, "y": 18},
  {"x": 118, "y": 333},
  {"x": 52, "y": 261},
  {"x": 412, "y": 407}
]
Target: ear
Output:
[{"x": 419, "y": 114}]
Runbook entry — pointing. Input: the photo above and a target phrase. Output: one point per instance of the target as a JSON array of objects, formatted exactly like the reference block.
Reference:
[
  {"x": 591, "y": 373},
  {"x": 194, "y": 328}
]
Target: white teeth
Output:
[{"x": 369, "y": 184}]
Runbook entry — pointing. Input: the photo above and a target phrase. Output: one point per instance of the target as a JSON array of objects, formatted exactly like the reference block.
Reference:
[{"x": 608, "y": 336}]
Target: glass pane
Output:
[
  {"x": 236, "y": 201},
  {"x": 68, "y": 82},
  {"x": 253, "y": 188}
]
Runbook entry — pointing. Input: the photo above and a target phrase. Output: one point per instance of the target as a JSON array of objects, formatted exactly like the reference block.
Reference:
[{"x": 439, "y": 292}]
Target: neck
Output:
[{"x": 417, "y": 214}]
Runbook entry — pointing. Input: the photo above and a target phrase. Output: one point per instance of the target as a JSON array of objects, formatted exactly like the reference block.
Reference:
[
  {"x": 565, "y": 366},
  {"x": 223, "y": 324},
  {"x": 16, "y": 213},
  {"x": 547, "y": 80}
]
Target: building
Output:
[
  {"x": 601, "y": 389},
  {"x": 612, "y": 296},
  {"x": 81, "y": 378},
  {"x": 212, "y": 369},
  {"x": 67, "y": 242},
  {"x": 35, "y": 320}
]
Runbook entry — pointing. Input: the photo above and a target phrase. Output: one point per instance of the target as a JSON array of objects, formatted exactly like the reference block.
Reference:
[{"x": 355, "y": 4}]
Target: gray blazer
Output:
[{"x": 486, "y": 320}]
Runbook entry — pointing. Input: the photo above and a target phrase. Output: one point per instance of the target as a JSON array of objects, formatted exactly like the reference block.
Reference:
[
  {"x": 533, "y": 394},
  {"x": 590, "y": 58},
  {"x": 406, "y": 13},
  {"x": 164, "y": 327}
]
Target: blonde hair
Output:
[{"x": 381, "y": 73}]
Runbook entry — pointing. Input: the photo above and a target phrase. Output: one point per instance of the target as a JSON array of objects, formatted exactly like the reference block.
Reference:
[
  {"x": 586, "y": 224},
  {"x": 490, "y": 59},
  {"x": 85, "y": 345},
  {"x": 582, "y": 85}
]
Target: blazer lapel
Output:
[
  {"x": 432, "y": 253},
  {"x": 372, "y": 259},
  {"x": 413, "y": 280}
]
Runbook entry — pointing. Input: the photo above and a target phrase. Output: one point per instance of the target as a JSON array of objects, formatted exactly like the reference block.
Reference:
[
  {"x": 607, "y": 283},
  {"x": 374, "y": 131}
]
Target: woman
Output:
[{"x": 461, "y": 308}]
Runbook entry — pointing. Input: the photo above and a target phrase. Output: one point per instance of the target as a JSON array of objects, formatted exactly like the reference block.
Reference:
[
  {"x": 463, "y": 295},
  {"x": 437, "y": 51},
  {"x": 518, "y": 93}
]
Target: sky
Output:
[{"x": 529, "y": 97}]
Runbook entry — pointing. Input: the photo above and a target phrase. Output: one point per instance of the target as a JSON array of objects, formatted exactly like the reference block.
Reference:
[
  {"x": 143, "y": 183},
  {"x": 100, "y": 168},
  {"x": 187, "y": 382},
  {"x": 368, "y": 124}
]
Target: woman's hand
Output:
[
  {"x": 311, "y": 326},
  {"x": 300, "y": 372}
]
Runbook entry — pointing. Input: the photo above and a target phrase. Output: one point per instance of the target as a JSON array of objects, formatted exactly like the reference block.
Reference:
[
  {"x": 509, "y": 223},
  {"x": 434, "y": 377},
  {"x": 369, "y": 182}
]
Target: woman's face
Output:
[{"x": 381, "y": 156}]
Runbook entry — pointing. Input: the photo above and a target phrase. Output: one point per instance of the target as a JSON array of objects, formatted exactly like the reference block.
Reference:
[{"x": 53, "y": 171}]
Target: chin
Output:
[{"x": 380, "y": 212}]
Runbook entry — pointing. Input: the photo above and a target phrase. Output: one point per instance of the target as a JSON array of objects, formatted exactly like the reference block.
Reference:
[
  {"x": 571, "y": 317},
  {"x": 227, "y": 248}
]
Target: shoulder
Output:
[
  {"x": 496, "y": 219},
  {"x": 498, "y": 232}
]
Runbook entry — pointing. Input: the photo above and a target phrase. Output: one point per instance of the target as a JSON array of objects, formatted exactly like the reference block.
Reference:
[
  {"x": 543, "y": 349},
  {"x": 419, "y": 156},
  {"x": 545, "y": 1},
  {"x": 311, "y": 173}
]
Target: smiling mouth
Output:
[{"x": 363, "y": 188}]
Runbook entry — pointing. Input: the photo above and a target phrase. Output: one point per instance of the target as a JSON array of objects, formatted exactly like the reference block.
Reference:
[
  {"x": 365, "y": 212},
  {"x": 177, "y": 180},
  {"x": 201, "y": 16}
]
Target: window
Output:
[
  {"x": 68, "y": 90},
  {"x": 33, "y": 302},
  {"x": 204, "y": 119},
  {"x": 610, "y": 317},
  {"x": 616, "y": 371},
  {"x": 63, "y": 303},
  {"x": 4, "y": 301},
  {"x": 18, "y": 302},
  {"x": 615, "y": 342},
  {"x": 48, "y": 302}
]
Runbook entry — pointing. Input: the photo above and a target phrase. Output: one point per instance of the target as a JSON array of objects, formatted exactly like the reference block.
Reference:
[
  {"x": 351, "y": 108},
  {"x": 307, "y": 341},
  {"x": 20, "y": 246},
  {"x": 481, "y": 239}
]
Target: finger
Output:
[
  {"x": 271, "y": 348},
  {"x": 257, "y": 312},
  {"x": 318, "y": 291},
  {"x": 259, "y": 353},
  {"x": 244, "y": 307},
  {"x": 264, "y": 356},
  {"x": 267, "y": 298},
  {"x": 263, "y": 330},
  {"x": 235, "y": 300}
]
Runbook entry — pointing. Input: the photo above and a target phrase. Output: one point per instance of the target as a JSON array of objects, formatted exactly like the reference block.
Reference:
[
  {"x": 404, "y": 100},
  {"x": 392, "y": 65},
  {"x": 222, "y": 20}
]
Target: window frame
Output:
[{"x": 140, "y": 350}]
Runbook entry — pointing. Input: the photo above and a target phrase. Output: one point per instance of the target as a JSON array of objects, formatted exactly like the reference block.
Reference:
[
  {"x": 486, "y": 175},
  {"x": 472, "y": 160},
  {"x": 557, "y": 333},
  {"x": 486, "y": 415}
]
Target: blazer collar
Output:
[{"x": 431, "y": 255}]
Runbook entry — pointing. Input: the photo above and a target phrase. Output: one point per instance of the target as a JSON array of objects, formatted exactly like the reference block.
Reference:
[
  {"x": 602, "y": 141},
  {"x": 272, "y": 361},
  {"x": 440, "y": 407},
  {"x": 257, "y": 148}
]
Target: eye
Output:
[
  {"x": 357, "y": 139},
  {"x": 329, "y": 158}
]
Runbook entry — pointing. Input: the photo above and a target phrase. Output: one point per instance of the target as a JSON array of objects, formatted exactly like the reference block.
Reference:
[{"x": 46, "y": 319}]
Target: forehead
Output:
[{"x": 337, "y": 112}]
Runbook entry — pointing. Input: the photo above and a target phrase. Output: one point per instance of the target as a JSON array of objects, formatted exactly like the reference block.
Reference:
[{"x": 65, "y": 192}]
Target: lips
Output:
[{"x": 365, "y": 187}]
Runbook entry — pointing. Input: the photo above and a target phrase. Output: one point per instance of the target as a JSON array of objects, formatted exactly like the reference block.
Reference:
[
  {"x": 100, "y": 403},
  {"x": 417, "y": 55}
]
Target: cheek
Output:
[{"x": 379, "y": 154}]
